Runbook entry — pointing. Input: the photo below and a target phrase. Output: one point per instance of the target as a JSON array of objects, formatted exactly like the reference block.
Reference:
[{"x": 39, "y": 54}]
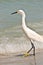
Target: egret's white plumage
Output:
[{"x": 30, "y": 33}]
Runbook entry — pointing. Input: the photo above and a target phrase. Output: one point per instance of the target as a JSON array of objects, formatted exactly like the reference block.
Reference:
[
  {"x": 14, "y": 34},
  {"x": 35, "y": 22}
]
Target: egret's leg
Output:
[
  {"x": 29, "y": 50},
  {"x": 33, "y": 47},
  {"x": 26, "y": 54},
  {"x": 34, "y": 51}
]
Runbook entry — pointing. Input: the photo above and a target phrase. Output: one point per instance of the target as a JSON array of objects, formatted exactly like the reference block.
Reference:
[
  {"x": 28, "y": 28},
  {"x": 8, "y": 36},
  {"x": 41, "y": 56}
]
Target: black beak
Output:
[{"x": 13, "y": 13}]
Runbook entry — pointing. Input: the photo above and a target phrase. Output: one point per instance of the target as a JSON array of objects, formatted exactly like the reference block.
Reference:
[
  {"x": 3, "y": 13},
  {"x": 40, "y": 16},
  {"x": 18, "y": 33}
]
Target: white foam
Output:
[{"x": 16, "y": 45}]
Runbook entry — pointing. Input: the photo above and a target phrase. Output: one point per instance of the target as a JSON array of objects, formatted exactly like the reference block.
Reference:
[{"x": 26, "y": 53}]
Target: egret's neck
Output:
[{"x": 23, "y": 20}]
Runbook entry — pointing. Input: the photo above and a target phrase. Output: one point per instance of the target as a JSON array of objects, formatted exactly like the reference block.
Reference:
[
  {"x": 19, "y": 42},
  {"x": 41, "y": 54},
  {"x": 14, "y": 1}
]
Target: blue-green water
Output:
[
  {"x": 10, "y": 25},
  {"x": 32, "y": 8}
]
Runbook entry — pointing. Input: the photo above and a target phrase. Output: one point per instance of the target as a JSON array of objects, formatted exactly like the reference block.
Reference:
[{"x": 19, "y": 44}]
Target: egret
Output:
[{"x": 32, "y": 35}]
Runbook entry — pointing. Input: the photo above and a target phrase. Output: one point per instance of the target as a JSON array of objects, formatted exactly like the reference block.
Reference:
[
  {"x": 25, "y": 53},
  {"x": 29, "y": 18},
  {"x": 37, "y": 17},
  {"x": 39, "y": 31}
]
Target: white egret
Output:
[{"x": 30, "y": 33}]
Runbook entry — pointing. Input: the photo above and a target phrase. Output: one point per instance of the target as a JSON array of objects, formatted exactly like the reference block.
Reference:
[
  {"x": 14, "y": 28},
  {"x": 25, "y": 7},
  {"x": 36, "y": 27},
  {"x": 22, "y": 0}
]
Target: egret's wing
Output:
[{"x": 33, "y": 35}]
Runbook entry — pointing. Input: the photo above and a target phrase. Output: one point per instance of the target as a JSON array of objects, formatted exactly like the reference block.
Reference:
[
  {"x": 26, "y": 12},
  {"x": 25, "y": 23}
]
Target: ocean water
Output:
[{"x": 12, "y": 37}]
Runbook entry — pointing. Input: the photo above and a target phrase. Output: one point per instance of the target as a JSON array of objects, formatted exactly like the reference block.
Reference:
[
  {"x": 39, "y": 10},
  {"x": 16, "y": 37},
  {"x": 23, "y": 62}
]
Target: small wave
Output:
[{"x": 14, "y": 45}]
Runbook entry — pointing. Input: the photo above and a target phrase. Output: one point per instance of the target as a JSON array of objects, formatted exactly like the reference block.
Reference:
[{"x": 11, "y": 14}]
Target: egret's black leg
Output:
[
  {"x": 34, "y": 51},
  {"x": 33, "y": 47},
  {"x": 29, "y": 50}
]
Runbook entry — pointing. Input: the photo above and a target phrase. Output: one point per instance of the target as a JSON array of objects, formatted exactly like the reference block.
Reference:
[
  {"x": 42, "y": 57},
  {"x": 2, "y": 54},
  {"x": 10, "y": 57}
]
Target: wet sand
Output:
[{"x": 18, "y": 59}]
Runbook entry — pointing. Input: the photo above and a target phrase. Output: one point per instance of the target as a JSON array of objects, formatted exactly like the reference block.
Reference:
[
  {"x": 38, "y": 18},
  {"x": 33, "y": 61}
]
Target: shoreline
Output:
[
  {"x": 22, "y": 52},
  {"x": 22, "y": 60}
]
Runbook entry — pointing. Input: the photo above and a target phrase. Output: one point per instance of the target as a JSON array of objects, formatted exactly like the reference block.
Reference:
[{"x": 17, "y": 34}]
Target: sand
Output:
[{"x": 18, "y": 59}]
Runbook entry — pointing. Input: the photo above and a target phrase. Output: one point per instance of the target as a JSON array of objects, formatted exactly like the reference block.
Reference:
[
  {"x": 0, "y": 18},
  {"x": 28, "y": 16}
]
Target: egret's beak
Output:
[{"x": 13, "y": 13}]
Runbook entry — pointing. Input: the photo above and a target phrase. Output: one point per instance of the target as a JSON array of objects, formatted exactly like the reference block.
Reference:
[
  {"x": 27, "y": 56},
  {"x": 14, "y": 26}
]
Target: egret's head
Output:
[{"x": 19, "y": 11}]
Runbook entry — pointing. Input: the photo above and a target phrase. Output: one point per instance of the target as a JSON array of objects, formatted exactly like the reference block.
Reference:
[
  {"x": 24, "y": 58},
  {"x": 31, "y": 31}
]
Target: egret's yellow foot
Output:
[{"x": 26, "y": 54}]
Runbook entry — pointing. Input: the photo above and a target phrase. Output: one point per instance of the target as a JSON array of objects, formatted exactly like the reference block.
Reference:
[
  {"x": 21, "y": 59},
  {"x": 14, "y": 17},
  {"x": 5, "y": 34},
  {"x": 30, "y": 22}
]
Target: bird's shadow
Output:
[
  {"x": 20, "y": 55},
  {"x": 30, "y": 55}
]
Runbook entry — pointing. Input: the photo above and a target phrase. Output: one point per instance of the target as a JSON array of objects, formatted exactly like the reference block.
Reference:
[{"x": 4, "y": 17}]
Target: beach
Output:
[
  {"x": 13, "y": 41},
  {"x": 18, "y": 59}
]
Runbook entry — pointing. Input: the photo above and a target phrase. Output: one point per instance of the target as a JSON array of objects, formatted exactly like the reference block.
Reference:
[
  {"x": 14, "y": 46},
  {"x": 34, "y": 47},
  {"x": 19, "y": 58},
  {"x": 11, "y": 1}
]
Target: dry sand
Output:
[{"x": 18, "y": 59}]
